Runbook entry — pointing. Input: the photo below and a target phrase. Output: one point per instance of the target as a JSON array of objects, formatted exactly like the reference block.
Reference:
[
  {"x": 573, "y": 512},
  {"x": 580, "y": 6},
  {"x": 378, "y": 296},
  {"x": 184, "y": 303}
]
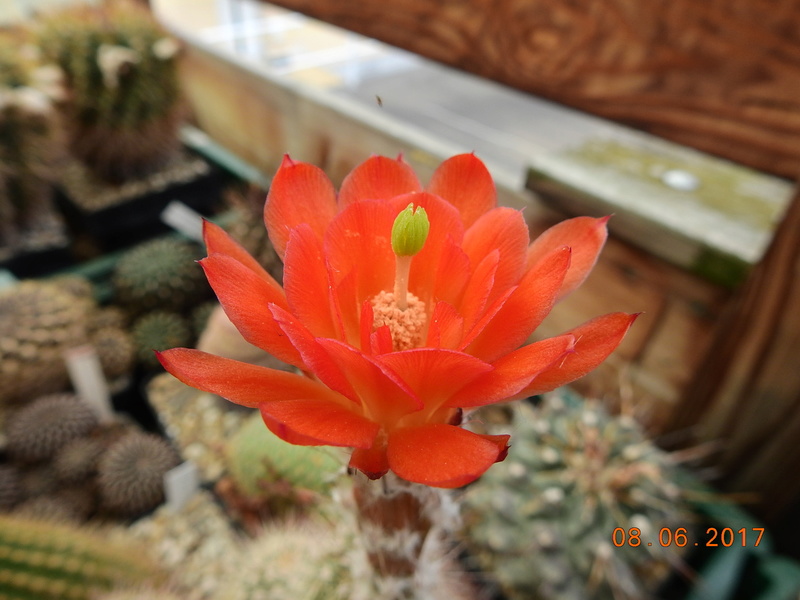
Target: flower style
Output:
[{"x": 395, "y": 345}]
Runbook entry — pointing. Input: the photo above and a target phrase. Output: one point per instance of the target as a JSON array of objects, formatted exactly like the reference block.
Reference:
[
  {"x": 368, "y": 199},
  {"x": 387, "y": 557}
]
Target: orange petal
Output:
[
  {"x": 373, "y": 461},
  {"x": 299, "y": 193},
  {"x": 523, "y": 311},
  {"x": 434, "y": 374},
  {"x": 513, "y": 372},
  {"x": 464, "y": 181},
  {"x": 242, "y": 383},
  {"x": 446, "y": 327},
  {"x": 305, "y": 280},
  {"x": 378, "y": 178},
  {"x": 245, "y": 297},
  {"x": 385, "y": 397},
  {"x": 358, "y": 241},
  {"x": 594, "y": 341},
  {"x": 585, "y": 235},
  {"x": 218, "y": 240},
  {"x": 380, "y": 341},
  {"x": 503, "y": 229},
  {"x": 443, "y": 455},
  {"x": 452, "y": 275},
  {"x": 317, "y": 423},
  {"x": 478, "y": 288},
  {"x": 315, "y": 357}
]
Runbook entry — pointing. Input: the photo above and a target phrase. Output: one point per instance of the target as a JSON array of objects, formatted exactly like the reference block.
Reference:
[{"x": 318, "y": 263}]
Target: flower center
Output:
[{"x": 406, "y": 326}]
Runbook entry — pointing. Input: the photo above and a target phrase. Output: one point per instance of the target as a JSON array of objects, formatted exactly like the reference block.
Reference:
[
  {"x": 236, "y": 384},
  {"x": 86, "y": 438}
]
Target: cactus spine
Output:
[
  {"x": 120, "y": 70},
  {"x": 49, "y": 561},
  {"x": 542, "y": 521}
]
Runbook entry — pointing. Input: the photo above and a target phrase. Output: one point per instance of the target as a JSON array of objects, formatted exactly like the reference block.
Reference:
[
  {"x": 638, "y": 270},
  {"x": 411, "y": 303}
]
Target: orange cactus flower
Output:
[{"x": 390, "y": 366}]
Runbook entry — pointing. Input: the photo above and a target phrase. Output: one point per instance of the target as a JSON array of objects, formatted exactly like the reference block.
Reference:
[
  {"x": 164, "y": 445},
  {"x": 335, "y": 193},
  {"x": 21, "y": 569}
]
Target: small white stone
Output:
[{"x": 680, "y": 180}]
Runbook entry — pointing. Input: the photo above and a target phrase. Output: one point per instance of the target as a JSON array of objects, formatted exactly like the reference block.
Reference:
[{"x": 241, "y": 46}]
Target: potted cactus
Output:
[
  {"x": 30, "y": 149},
  {"x": 123, "y": 112}
]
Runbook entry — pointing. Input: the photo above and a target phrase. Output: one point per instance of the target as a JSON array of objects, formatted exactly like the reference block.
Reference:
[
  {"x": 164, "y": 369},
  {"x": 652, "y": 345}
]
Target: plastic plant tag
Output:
[
  {"x": 184, "y": 220},
  {"x": 180, "y": 484},
  {"x": 86, "y": 374},
  {"x": 7, "y": 279}
]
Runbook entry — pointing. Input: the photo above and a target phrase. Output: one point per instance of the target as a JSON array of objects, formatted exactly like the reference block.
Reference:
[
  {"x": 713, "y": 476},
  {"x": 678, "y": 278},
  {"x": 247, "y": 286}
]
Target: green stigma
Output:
[{"x": 410, "y": 230}]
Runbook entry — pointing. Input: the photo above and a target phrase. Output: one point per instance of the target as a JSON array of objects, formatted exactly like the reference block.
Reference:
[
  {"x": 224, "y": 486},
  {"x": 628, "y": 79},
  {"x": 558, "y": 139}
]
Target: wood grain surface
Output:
[{"x": 719, "y": 75}]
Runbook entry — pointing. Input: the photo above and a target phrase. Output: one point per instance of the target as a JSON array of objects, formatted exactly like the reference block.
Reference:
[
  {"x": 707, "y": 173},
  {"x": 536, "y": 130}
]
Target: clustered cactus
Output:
[
  {"x": 39, "y": 321},
  {"x": 542, "y": 521},
  {"x": 30, "y": 150},
  {"x": 39, "y": 430},
  {"x": 159, "y": 274},
  {"x": 124, "y": 103},
  {"x": 49, "y": 561}
]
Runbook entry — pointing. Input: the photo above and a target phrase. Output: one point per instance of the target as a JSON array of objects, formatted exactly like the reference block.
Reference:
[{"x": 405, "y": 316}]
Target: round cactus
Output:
[
  {"x": 39, "y": 430},
  {"x": 258, "y": 460},
  {"x": 159, "y": 275},
  {"x": 77, "y": 461},
  {"x": 306, "y": 561},
  {"x": 124, "y": 103},
  {"x": 39, "y": 320},
  {"x": 159, "y": 330},
  {"x": 543, "y": 520},
  {"x": 131, "y": 473},
  {"x": 116, "y": 351}
]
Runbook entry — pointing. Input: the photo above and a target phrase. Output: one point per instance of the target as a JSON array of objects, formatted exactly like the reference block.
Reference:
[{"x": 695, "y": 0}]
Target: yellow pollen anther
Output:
[{"x": 406, "y": 326}]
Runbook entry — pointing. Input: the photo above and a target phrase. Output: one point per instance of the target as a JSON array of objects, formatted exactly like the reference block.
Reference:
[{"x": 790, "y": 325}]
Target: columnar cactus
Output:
[
  {"x": 50, "y": 561},
  {"x": 124, "y": 106}
]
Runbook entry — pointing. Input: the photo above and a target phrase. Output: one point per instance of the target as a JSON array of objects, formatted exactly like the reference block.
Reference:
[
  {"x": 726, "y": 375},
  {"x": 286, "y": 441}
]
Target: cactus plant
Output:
[
  {"x": 39, "y": 320},
  {"x": 51, "y": 561},
  {"x": 247, "y": 228},
  {"x": 159, "y": 330},
  {"x": 263, "y": 466},
  {"x": 30, "y": 149},
  {"x": 159, "y": 274},
  {"x": 293, "y": 561},
  {"x": 39, "y": 430},
  {"x": 116, "y": 351},
  {"x": 120, "y": 69},
  {"x": 10, "y": 487},
  {"x": 131, "y": 473},
  {"x": 77, "y": 460},
  {"x": 543, "y": 521}
]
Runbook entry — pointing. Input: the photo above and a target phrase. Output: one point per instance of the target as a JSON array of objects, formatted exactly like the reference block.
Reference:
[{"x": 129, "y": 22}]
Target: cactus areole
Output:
[{"x": 403, "y": 307}]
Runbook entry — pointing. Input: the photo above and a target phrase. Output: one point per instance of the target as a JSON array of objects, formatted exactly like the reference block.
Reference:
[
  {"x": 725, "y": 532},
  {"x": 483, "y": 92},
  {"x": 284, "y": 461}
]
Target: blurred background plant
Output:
[{"x": 124, "y": 105}]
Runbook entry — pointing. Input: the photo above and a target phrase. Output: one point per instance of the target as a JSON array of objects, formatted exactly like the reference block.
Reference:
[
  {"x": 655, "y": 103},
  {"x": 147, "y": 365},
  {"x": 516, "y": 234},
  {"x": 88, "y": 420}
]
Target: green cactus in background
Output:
[
  {"x": 261, "y": 464},
  {"x": 31, "y": 146},
  {"x": 543, "y": 521},
  {"x": 124, "y": 106},
  {"x": 159, "y": 330},
  {"x": 50, "y": 561},
  {"x": 160, "y": 274}
]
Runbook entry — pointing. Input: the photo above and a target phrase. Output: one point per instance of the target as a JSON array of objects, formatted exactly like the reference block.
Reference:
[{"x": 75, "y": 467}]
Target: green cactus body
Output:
[
  {"x": 50, "y": 561},
  {"x": 159, "y": 330},
  {"x": 542, "y": 522},
  {"x": 120, "y": 68},
  {"x": 257, "y": 459},
  {"x": 160, "y": 274}
]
